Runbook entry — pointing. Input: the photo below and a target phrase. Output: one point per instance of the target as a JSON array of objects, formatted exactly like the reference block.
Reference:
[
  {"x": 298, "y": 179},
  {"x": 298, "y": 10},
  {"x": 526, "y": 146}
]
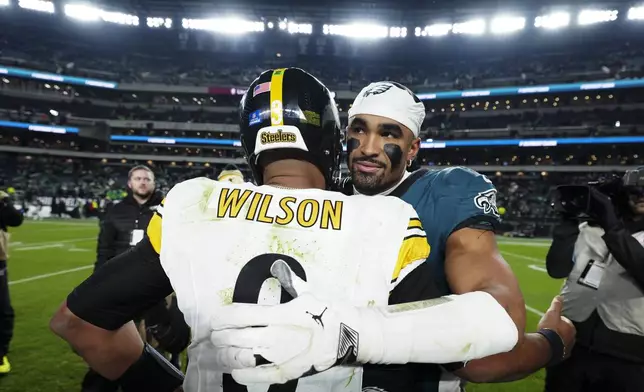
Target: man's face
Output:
[
  {"x": 636, "y": 201},
  {"x": 141, "y": 183},
  {"x": 378, "y": 149}
]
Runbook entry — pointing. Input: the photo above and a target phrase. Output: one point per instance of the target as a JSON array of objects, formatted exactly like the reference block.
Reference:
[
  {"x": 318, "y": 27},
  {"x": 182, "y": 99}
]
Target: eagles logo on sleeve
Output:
[
  {"x": 414, "y": 248},
  {"x": 486, "y": 201}
]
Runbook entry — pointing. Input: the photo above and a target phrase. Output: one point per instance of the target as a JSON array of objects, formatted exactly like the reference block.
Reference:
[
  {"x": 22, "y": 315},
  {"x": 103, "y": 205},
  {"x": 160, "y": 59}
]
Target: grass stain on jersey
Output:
[
  {"x": 285, "y": 247},
  {"x": 226, "y": 296},
  {"x": 353, "y": 373},
  {"x": 205, "y": 198}
]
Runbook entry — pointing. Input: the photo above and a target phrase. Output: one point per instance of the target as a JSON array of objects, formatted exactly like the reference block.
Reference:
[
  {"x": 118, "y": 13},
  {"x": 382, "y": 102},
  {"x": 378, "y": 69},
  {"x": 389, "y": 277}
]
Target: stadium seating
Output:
[{"x": 171, "y": 102}]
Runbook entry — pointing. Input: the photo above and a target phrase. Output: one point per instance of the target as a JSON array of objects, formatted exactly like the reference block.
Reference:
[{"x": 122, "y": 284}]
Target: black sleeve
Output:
[
  {"x": 9, "y": 216},
  {"x": 628, "y": 252},
  {"x": 106, "y": 239},
  {"x": 559, "y": 261},
  {"x": 122, "y": 289}
]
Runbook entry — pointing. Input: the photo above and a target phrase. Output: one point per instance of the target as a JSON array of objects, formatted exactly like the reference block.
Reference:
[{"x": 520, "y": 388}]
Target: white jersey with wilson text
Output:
[{"x": 218, "y": 241}]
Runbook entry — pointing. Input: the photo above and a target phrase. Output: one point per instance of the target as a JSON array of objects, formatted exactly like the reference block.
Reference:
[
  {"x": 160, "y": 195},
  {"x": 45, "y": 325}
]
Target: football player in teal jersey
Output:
[{"x": 457, "y": 207}]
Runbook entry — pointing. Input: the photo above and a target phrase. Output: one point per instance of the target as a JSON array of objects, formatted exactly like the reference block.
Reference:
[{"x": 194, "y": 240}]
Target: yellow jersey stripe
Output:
[
  {"x": 413, "y": 248},
  {"x": 277, "y": 103},
  {"x": 154, "y": 231},
  {"x": 415, "y": 224}
]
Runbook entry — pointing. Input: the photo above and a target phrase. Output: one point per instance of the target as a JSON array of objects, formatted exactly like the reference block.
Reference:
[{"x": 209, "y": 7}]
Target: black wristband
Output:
[
  {"x": 557, "y": 346},
  {"x": 151, "y": 372}
]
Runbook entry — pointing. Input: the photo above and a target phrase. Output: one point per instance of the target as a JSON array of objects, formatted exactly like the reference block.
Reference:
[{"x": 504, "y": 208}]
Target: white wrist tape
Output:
[{"x": 455, "y": 328}]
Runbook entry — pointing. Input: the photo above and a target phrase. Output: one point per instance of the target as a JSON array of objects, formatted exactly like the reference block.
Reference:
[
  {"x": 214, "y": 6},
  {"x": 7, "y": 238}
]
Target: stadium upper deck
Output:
[{"x": 152, "y": 86}]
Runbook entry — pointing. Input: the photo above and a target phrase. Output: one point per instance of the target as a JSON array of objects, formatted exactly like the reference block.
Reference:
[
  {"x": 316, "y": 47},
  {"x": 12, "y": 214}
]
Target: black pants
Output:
[
  {"x": 6, "y": 311},
  {"x": 587, "y": 371},
  {"x": 94, "y": 382}
]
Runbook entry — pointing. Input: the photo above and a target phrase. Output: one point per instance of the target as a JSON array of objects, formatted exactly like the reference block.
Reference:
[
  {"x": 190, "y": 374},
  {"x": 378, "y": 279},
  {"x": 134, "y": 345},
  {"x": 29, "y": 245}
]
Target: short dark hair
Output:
[{"x": 139, "y": 167}]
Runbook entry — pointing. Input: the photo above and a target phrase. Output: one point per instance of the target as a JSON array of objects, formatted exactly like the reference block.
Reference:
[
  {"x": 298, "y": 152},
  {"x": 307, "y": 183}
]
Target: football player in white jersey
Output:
[{"x": 281, "y": 283}]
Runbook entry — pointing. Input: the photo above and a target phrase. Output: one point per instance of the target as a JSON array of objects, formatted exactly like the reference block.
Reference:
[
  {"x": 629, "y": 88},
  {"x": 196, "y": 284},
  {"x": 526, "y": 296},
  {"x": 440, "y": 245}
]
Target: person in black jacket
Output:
[
  {"x": 603, "y": 261},
  {"x": 122, "y": 227},
  {"x": 124, "y": 224},
  {"x": 9, "y": 217}
]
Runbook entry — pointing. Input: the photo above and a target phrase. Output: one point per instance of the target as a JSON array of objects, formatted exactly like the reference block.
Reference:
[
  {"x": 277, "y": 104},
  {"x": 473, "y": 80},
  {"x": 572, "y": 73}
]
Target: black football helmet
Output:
[{"x": 292, "y": 114}]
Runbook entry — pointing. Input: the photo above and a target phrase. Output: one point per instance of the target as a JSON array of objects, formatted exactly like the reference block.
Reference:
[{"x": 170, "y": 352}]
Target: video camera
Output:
[{"x": 575, "y": 200}]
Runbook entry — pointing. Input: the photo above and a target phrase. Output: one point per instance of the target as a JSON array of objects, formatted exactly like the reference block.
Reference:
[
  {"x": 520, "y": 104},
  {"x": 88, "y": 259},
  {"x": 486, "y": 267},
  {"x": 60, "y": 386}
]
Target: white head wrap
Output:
[{"x": 391, "y": 100}]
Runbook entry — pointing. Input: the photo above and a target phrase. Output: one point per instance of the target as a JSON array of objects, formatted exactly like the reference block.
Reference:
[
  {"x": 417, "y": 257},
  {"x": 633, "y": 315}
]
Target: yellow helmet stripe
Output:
[{"x": 277, "y": 105}]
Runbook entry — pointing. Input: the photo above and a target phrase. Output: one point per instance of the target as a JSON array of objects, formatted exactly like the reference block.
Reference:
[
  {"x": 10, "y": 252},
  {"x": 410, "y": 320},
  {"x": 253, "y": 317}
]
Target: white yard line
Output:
[
  {"x": 520, "y": 256},
  {"x": 526, "y": 243},
  {"x": 38, "y": 247},
  {"x": 533, "y": 267},
  {"x": 63, "y": 223},
  {"x": 26, "y": 246},
  {"x": 65, "y": 228},
  {"x": 533, "y": 310},
  {"x": 43, "y": 276}
]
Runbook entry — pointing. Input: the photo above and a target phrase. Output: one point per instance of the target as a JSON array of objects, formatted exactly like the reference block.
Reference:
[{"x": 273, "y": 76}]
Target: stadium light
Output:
[
  {"x": 636, "y": 13},
  {"x": 223, "y": 25},
  {"x": 507, "y": 24},
  {"x": 159, "y": 22},
  {"x": 82, "y": 12},
  {"x": 434, "y": 30},
  {"x": 587, "y": 17},
  {"x": 270, "y": 25},
  {"x": 120, "y": 18},
  {"x": 87, "y": 13},
  {"x": 283, "y": 25},
  {"x": 473, "y": 27},
  {"x": 357, "y": 30},
  {"x": 555, "y": 20},
  {"x": 300, "y": 28},
  {"x": 397, "y": 32},
  {"x": 4, "y": 3},
  {"x": 37, "y": 5}
]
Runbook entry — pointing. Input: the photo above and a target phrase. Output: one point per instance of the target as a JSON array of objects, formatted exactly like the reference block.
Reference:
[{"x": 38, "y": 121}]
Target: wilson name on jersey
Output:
[{"x": 218, "y": 240}]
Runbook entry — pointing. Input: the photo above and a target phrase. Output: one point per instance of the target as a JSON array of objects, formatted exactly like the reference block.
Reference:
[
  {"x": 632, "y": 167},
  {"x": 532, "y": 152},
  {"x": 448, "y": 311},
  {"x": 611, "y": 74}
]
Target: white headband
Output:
[{"x": 391, "y": 100}]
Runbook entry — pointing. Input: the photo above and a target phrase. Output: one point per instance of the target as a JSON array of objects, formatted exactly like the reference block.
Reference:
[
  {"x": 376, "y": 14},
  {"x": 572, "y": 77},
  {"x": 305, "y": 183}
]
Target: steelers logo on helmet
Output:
[{"x": 295, "y": 117}]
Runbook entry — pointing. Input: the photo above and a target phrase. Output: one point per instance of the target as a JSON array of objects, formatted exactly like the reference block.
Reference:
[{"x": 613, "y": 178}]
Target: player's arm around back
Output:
[
  {"x": 440, "y": 330},
  {"x": 95, "y": 318},
  {"x": 473, "y": 263}
]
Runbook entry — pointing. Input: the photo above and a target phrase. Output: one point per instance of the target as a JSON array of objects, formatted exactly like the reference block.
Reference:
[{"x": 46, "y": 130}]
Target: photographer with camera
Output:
[
  {"x": 9, "y": 217},
  {"x": 599, "y": 247}
]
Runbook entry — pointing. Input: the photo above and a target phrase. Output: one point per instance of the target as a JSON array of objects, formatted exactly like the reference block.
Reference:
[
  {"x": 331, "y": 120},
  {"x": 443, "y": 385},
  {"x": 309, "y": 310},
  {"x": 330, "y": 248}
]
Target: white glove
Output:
[
  {"x": 299, "y": 338},
  {"x": 275, "y": 344}
]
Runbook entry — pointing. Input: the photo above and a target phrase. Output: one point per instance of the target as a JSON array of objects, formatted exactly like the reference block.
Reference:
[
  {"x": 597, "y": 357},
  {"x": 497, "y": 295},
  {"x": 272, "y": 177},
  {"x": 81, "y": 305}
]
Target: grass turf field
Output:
[{"x": 48, "y": 258}]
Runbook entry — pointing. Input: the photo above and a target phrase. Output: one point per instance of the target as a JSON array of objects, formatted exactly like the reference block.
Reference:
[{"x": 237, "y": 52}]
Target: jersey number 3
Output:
[{"x": 247, "y": 288}]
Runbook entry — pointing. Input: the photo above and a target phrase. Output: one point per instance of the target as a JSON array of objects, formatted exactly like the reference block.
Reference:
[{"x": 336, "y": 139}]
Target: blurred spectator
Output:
[{"x": 9, "y": 217}]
